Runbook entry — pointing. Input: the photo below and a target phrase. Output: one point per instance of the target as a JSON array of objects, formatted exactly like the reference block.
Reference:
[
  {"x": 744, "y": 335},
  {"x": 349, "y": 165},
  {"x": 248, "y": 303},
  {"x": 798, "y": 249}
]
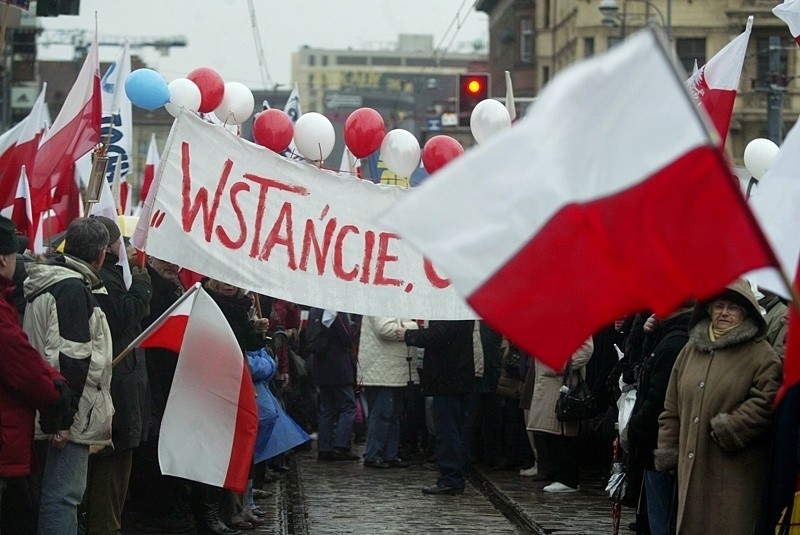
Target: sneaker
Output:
[
  {"x": 398, "y": 463},
  {"x": 559, "y": 487},
  {"x": 533, "y": 471},
  {"x": 325, "y": 456}
]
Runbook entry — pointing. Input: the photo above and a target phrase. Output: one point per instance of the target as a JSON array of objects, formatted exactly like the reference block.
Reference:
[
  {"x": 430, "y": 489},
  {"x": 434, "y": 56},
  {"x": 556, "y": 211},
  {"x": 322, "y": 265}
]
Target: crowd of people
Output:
[{"x": 80, "y": 437}]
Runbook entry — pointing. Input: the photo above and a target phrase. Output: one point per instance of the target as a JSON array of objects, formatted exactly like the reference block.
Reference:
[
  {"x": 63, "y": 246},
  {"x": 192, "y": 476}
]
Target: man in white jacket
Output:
[
  {"x": 384, "y": 370},
  {"x": 65, "y": 324}
]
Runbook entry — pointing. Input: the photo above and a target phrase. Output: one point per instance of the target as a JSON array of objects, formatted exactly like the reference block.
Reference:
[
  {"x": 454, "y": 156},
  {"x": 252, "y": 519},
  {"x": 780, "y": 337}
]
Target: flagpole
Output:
[{"x": 153, "y": 326}]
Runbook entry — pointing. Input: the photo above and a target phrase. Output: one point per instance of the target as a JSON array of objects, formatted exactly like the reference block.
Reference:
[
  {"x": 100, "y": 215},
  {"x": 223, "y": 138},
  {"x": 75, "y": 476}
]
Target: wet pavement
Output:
[{"x": 345, "y": 497}]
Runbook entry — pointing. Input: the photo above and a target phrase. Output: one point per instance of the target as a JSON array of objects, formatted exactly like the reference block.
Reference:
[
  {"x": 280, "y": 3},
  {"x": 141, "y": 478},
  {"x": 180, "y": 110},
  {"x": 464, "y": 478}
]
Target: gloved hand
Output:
[
  {"x": 140, "y": 274},
  {"x": 59, "y": 415}
]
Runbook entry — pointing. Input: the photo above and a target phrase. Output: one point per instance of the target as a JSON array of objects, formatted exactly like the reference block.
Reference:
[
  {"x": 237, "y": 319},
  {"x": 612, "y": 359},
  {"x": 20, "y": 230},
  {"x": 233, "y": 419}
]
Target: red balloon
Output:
[
  {"x": 439, "y": 151},
  {"x": 211, "y": 85},
  {"x": 364, "y": 131},
  {"x": 273, "y": 129}
]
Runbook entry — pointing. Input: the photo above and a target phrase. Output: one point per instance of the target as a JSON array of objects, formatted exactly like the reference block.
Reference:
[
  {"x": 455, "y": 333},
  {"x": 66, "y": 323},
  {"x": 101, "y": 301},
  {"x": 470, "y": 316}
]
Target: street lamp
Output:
[{"x": 612, "y": 17}]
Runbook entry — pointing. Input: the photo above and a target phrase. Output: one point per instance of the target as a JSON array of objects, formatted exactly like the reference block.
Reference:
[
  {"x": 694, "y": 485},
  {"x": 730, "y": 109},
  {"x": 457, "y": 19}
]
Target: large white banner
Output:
[{"x": 237, "y": 212}]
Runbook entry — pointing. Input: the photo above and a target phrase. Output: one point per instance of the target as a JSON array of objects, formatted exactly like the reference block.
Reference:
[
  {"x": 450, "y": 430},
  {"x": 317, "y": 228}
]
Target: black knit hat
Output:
[
  {"x": 8, "y": 237},
  {"x": 111, "y": 226}
]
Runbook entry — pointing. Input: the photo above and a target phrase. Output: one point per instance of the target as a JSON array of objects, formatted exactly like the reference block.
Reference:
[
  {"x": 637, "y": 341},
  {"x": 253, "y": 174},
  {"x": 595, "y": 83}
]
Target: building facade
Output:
[
  {"x": 566, "y": 31},
  {"x": 407, "y": 82}
]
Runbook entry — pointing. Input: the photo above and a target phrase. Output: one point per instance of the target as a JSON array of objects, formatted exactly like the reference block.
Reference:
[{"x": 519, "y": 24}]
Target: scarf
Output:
[{"x": 714, "y": 333}]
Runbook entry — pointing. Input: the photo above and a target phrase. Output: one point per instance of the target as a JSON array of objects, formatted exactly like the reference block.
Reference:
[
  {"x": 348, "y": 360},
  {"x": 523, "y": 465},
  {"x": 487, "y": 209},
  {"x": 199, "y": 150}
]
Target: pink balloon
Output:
[
  {"x": 439, "y": 151},
  {"x": 211, "y": 85},
  {"x": 364, "y": 131},
  {"x": 273, "y": 129}
]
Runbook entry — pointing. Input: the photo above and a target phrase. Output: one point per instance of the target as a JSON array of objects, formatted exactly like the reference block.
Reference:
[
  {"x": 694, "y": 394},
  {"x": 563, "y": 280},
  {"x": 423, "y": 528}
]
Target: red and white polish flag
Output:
[
  {"x": 606, "y": 199},
  {"x": 209, "y": 427},
  {"x": 149, "y": 168},
  {"x": 774, "y": 204},
  {"x": 75, "y": 131},
  {"x": 715, "y": 84},
  {"x": 789, "y": 12},
  {"x": 18, "y": 148},
  {"x": 22, "y": 215}
]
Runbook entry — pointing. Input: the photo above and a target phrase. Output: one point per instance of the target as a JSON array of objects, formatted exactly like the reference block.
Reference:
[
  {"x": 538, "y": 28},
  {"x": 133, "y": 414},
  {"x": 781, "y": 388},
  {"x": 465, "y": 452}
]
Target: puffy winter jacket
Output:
[{"x": 65, "y": 324}]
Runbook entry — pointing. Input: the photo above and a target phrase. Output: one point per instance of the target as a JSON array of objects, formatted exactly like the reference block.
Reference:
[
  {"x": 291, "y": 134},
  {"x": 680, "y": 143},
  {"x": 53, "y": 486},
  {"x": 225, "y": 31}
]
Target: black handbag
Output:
[{"x": 576, "y": 402}]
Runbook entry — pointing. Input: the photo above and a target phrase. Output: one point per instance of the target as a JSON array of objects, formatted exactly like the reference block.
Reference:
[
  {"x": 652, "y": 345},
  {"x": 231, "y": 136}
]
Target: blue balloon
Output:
[{"x": 147, "y": 89}]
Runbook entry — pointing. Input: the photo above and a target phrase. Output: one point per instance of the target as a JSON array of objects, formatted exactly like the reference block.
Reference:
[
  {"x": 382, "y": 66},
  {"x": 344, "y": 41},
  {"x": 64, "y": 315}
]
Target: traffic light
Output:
[
  {"x": 54, "y": 8},
  {"x": 472, "y": 88}
]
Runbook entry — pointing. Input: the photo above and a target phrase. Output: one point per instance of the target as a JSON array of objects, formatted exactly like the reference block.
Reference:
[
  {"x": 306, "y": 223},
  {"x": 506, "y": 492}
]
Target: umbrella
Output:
[{"x": 616, "y": 487}]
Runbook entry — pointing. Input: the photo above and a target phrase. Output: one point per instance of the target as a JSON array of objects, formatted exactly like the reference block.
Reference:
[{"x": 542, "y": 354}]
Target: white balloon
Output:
[
  {"x": 488, "y": 118},
  {"x": 314, "y": 136},
  {"x": 237, "y": 104},
  {"x": 400, "y": 152},
  {"x": 183, "y": 93},
  {"x": 759, "y": 155}
]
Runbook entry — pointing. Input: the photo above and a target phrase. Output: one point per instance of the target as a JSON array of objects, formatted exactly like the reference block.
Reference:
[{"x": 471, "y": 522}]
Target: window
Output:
[
  {"x": 690, "y": 50},
  {"x": 351, "y": 60},
  {"x": 765, "y": 74},
  {"x": 381, "y": 60},
  {"x": 312, "y": 60},
  {"x": 324, "y": 61},
  {"x": 546, "y": 14},
  {"x": 588, "y": 47},
  {"x": 545, "y": 75},
  {"x": 525, "y": 39}
]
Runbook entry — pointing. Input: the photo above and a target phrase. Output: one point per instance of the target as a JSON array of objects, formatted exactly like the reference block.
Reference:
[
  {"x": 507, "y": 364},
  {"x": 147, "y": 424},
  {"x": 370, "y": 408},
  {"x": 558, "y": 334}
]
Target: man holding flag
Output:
[{"x": 109, "y": 469}]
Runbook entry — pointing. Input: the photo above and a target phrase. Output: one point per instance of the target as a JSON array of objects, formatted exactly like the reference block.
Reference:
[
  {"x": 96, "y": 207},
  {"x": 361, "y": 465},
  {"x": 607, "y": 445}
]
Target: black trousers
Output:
[{"x": 558, "y": 457}]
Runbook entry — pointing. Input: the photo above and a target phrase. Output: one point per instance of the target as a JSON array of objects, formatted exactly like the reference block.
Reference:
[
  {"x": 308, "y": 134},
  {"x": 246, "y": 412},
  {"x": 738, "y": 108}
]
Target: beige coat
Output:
[
  {"x": 726, "y": 386},
  {"x": 381, "y": 358},
  {"x": 546, "y": 391}
]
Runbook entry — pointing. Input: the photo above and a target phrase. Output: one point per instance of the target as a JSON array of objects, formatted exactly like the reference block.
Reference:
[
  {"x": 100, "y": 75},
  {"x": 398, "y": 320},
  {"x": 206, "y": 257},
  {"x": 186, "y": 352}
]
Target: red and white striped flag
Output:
[
  {"x": 18, "y": 148},
  {"x": 716, "y": 83},
  {"x": 22, "y": 214},
  {"x": 789, "y": 12},
  {"x": 106, "y": 206},
  {"x": 580, "y": 213},
  {"x": 209, "y": 427},
  {"x": 121, "y": 192},
  {"x": 149, "y": 170},
  {"x": 75, "y": 131}
]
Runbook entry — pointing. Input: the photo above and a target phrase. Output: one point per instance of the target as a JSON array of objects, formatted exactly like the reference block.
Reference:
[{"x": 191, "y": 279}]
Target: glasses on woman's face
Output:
[{"x": 719, "y": 307}]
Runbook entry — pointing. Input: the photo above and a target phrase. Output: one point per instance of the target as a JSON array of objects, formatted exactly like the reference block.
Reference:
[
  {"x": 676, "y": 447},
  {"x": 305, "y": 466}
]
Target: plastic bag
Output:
[{"x": 625, "y": 405}]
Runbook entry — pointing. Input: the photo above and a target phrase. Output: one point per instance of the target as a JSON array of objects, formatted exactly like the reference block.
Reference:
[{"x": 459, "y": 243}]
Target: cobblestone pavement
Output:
[{"x": 346, "y": 497}]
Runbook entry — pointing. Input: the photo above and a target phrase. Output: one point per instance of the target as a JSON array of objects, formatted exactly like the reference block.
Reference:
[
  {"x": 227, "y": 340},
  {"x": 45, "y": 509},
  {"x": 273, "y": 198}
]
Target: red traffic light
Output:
[{"x": 474, "y": 86}]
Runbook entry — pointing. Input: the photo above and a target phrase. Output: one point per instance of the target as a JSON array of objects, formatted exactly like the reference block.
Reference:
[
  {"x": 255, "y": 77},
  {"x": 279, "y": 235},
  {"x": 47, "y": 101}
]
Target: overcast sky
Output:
[{"x": 220, "y": 36}]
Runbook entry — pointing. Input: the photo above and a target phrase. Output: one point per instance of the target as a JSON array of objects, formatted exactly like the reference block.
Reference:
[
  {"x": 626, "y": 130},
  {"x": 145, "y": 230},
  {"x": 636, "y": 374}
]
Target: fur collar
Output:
[{"x": 747, "y": 331}]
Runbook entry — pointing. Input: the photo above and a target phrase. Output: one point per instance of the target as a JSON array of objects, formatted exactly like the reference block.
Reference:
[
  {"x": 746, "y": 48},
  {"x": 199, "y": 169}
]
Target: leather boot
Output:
[{"x": 214, "y": 524}]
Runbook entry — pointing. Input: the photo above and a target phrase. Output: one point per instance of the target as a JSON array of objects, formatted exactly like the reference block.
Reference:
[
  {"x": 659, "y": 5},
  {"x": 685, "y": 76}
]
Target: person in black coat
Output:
[
  {"x": 334, "y": 373},
  {"x": 163, "y": 510},
  {"x": 668, "y": 340},
  {"x": 448, "y": 374},
  {"x": 109, "y": 470}
]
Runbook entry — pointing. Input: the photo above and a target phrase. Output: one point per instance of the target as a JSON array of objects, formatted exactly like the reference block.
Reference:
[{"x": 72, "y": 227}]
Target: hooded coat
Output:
[
  {"x": 66, "y": 325},
  {"x": 726, "y": 386}
]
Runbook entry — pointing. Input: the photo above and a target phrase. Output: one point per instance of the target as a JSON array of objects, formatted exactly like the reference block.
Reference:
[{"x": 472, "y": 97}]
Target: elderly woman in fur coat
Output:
[{"x": 718, "y": 408}]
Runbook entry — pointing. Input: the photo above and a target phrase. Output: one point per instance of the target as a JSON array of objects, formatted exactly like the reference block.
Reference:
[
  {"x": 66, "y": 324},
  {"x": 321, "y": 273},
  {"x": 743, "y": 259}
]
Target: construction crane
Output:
[{"x": 80, "y": 40}]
